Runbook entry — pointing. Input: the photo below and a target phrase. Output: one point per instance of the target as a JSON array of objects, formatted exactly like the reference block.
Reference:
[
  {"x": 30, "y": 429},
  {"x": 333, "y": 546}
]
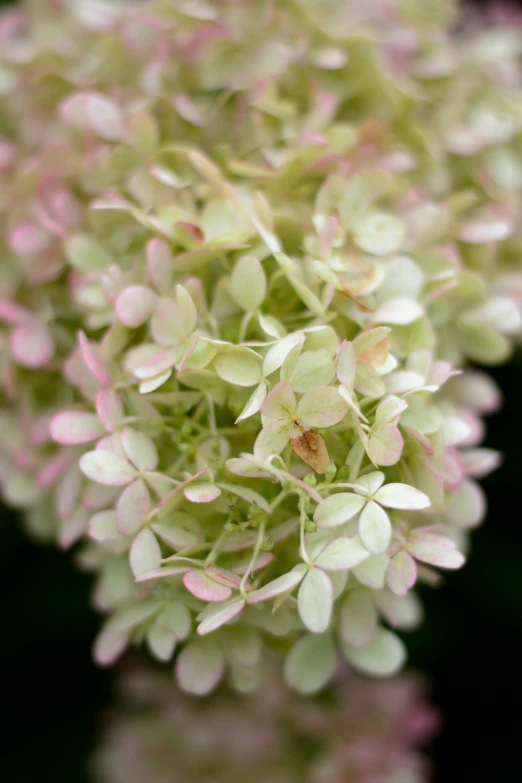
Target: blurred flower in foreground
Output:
[
  {"x": 359, "y": 731},
  {"x": 249, "y": 251}
]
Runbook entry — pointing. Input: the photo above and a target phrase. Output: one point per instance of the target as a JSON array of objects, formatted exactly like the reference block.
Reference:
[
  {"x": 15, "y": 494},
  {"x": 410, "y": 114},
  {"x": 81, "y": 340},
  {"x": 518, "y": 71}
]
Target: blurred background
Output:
[{"x": 54, "y": 699}]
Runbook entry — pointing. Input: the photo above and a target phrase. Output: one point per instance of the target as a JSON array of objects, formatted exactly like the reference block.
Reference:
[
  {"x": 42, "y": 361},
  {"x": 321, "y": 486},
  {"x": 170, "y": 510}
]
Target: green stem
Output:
[{"x": 257, "y": 549}]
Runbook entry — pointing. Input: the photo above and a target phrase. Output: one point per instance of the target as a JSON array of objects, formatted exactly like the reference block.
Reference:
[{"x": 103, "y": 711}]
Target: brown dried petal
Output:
[{"x": 311, "y": 447}]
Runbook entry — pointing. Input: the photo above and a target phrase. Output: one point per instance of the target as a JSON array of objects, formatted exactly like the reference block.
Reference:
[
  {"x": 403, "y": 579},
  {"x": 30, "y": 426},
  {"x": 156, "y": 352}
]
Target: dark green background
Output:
[{"x": 52, "y": 698}]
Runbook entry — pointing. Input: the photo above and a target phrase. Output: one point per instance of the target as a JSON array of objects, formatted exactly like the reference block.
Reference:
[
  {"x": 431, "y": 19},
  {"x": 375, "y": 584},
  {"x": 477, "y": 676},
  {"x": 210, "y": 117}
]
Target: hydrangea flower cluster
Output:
[
  {"x": 249, "y": 250},
  {"x": 363, "y": 732}
]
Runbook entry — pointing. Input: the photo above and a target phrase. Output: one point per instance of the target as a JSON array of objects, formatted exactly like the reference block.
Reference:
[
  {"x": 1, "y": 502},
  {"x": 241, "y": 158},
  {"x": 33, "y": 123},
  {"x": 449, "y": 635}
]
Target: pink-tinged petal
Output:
[
  {"x": 140, "y": 449},
  {"x": 448, "y": 468},
  {"x": 202, "y": 492},
  {"x": 328, "y": 233},
  {"x": 166, "y": 325},
  {"x": 73, "y": 528},
  {"x": 200, "y": 666},
  {"x": 109, "y": 408},
  {"x": 280, "y": 403},
  {"x": 400, "y": 611},
  {"x": 465, "y": 506},
  {"x": 220, "y": 615},
  {"x": 385, "y": 445},
  {"x": 105, "y": 467},
  {"x": 433, "y": 549},
  {"x": 159, "y": 364},
  {"x": 200, "y": 584},
  {"x": 145, "y": 553},
  {"x": 32, "y": 345},
  {"x": 53, "y": 469},
  {"x": 321, "y": 407},
  {"x": 389, "y": 410},
  {"x": 160, "y": 264},
  {"x": 402, "y": 496},
  {"x": 79, "y": 376},
  {"x": 132, "y": 508},
  {"x": 29, "y": 239},
  {"x": 92, "y": 359},
  {"x": 97, "y": 496},
  {"x": 141, "y": 354},
  {"x": 75, "y": 427},
  {"x": 262, "y": 560},
  {"x": 167, "y": 502},
  {"x": 90, "y": 109},
  {"x": 161, "y": 573},
  {"x": 315, "y": 601},
  {"x": 109, "y": 646},
  {"x": 68, "y": 493},
  {"x": 346, "y": 364},
  {"x": 478, "y": 391},
  {"x": 146, "y": 387},
  {"x": 421, "y": 439},
  {"x": 224, "y": 577},
  {"x": 272, "y": 439},
  {"x": 14, "y": 314},
  {"x": 283, "y": 584},
  {"x": 113, "y": 444},
  {"x": 243, "y": 467},
  {"x": 401, "y": 573},
  {"x": 480, "y": 462},
  {"x": 135, "y": 305}
]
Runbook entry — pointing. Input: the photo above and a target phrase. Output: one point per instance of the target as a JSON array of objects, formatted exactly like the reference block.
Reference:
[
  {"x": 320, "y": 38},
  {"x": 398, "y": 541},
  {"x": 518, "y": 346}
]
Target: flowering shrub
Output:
[
  {"x": 248, "y": 252},
  {"x": 363, "y": 732}
]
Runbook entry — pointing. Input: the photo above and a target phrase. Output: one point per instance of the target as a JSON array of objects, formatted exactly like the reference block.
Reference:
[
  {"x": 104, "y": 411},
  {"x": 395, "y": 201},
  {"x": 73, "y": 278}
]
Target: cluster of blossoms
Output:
[
  {"x": 361, "y": 732},
  {"x": 248, "y": 249}
]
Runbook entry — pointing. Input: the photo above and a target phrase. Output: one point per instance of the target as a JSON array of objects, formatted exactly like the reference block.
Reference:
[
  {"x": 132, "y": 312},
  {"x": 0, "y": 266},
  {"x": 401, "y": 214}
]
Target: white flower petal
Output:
[
  {"x": 315, "y": 601},
  {"x": 382, "y": 657},
  {"x": 310, "y": 663},
  {"x": 337, "y": 509},
  {"x": 402, "y": 496},
  {"x": 375, "y": 528}
]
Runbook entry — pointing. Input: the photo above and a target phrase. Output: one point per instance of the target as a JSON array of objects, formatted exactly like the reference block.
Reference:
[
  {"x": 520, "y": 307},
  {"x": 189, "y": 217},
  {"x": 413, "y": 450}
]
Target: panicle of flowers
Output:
[
  {"x": 360, "y": 731},
  {"x": 249, "y": 250}
]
